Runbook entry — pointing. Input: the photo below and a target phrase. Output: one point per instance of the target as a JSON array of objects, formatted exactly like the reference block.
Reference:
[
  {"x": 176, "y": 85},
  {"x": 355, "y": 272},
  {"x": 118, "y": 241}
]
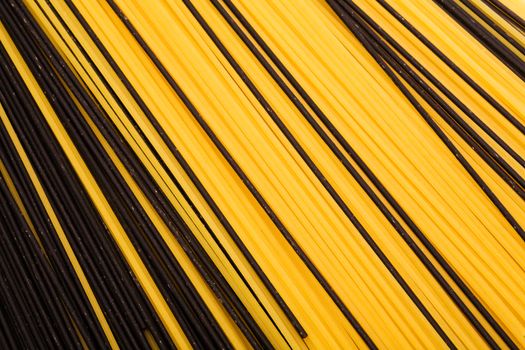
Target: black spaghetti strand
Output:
[
  {"x": 487, "y": 39},
  {"x": 183, "y": 163},
  {"x": 444, "y": 110},
  {"x": 137, "y": 331},
  {"x": 248, "y": 183},
  {"x": 51, "y": 307},
  {"x": 179, "y": 187},
  {"x": 492, "y": 101},
  {"x": 381, "y": 32},
  {"x": 518, "y": 46},
  {"x": 57, "y": 194},
  {"x": 436, "y": 255},
  {"x": 111, "y": 238},
  {"x": 10, "y": 337},
  {"x": 440, "y": 133},
  {"x": 362, "y": 165},
  {"x": 22, "y": 292},
  {"x": 169, "y": 212},
  {"x": 455, "y": 121},
  {"x": 117, "y": 145},
  {"x": 506, "y": 13},
  {"x": 65, "y": 279},
  {"x": 372, "y": 50},
  {"x": 149, "y": 225},
  {"x": 109, "y": 314},
  {"x": 60, "y": 269},
  {"x": 340, "y": 202},
  {"x": 355, "y": 174},
  {"x": 51, "y": 312}
]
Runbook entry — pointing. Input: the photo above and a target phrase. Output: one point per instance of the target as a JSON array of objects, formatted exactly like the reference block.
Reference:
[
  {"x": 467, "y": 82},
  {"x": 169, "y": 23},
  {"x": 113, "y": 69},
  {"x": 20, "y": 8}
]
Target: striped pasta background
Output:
[{"x": 216, "y": 174}]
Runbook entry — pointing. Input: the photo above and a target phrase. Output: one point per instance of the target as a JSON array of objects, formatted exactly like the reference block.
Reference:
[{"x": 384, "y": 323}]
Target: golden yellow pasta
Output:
[{"x": 314, "y": 174}]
